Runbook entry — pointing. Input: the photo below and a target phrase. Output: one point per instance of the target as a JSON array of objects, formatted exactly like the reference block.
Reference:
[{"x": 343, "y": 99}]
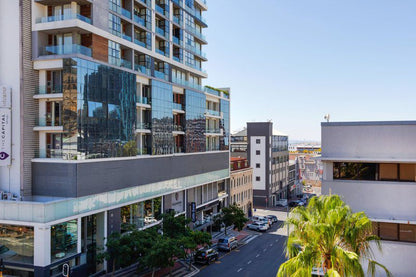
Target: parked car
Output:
[
  {"x": 281, "y": 203},
  {"x": 206, "y": 255},
  {"x": 262, "y": 219},
  {"x": 227, "y": 244},
  {"x": 296, "y": 203},
  {"x": 272, "y": 218},
  {"x": 257, "y": 226}
]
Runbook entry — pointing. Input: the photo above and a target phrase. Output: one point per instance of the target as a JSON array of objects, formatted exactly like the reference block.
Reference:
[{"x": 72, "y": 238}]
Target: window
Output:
[
  {"x": 257, "y": 141},
  {"x": 64, "y": 239},
  {"x": 257, "y": 152},
  {"x": 395, "y": 231},
  {"x": 257, "y": 165},
  {"x": 355, "y": 171},
  {"x": 16, "y": 243},
  {"x": 257, "y": 178}
]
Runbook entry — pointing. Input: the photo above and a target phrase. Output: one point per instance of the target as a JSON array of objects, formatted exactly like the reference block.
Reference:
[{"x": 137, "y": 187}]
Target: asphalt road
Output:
[{"x": 261, "y": 257}]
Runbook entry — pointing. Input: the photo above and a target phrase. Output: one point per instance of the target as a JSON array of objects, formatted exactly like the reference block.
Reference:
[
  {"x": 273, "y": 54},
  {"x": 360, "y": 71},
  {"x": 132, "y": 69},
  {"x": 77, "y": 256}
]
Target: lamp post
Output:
[{"x": 287, "y": 207}]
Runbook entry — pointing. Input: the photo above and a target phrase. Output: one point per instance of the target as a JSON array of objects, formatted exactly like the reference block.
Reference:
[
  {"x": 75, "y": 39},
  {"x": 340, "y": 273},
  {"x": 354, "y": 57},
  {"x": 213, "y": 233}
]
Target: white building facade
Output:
[{"x": 372, "y": 166}]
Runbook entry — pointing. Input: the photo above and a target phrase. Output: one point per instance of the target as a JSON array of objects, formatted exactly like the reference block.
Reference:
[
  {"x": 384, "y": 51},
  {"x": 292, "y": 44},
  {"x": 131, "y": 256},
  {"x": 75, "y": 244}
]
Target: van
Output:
[{"x": 227, "y": 244}]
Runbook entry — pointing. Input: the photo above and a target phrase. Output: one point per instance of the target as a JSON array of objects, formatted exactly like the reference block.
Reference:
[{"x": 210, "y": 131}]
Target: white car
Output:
[
  {"x": 281, "y": 203},
  {"x": 257, "y": 226}
]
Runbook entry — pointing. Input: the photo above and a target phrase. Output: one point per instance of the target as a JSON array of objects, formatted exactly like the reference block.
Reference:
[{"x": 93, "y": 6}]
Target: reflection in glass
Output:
[
  {"x": 64, "y": 239},
  {"x": 16, "y": 243},
  {"x": 141, "y": 214},
  {"x": 195, "y": 121},
  {"x": 225, "y": 125}
]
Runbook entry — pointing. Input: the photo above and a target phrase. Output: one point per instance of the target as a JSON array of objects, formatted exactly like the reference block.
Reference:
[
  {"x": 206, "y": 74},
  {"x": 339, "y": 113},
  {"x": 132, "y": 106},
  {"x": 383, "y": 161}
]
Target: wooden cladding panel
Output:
[{"x": 99, "y": 48}]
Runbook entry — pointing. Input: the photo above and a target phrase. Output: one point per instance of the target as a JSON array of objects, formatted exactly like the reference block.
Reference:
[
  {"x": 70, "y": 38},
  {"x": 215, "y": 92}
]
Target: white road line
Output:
[
  {"x": 239, "y": 269},
  {"x": 249, "y": 262},
  {"x": 264, "y": 250},
  {"x": 271, "y": 244},
  {"x": 277, "y": 240},
  {"x": 257, "y": 255}
]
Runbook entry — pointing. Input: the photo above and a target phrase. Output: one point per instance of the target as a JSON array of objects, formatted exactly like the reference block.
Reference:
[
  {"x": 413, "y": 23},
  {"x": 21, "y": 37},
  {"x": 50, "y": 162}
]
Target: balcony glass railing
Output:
[
  {"x": 212, "y": 112},
  {"x": 162, "y": 11},
  {"x": 176, "y": 40},
  {"x": 120, "y": 10},
  {"x": 160, "y": 52},
  {"x": 119, "y": 62},
  {"x": 143, "y": 125},
  {"x": 195, "y": 50},
  {"x": 142, "y": 69},
  {"x": 196, "y": 67},
  {"x": 213, "y": 130},
  {"x": 177, "y": 59},
  {"x": 161, "y": 75},
  {"x": 126, "y": 13},
  {"x": 177, "y": 106},
  {"x": 126, "y": 37},
  {"x": 212, "y": 91},
  {"x": 144, "y": 100},
  {"x": 62, "y": 18},
  {"x": 49, "y": 89},
  {"x": 195, "y": 32},
  {"x": 162, "y": 32},
  {"x": 139, "y": 20},
  {"x": 146, "y": 2},
  {"x": 47, "y": 121},
  {"x": 186, "y": 83},
  {"x": 178, "y": 128},
  {"x": 177, "y": 20},
  {"x": 138, "y": 42},
  {"x": 65, "y": 50},
  {"x": 178, "y": 2},
  {"x": 196, "y": 14}
]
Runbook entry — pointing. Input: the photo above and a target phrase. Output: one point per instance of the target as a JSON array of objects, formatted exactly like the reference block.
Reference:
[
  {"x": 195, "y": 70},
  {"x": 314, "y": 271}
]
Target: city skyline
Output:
[{"x": 304, "y": 56}]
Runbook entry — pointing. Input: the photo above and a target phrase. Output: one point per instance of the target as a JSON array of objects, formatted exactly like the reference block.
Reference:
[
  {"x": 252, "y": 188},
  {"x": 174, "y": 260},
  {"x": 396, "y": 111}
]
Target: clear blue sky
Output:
[{"x": 293, "y": 61}]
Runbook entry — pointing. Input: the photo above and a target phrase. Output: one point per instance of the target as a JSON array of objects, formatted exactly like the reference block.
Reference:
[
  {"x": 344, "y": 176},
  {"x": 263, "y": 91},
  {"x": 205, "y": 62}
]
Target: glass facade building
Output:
[
  {"x": 225, "y": 124},
  {"x": 195, "y": 121}
]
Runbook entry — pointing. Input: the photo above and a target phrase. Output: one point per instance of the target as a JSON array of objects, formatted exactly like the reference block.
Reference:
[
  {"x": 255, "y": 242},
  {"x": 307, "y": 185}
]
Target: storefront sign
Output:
[
  {"x": 5, "y": 137},
  {"x": 5, "y": 97},
  {"x": 193, "y": 211}
]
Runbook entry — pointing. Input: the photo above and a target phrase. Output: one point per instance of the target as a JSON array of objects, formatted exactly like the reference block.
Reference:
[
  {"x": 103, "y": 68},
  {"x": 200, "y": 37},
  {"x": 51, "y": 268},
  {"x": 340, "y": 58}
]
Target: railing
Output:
[
  {"x": 212, "y": 91},
  {"x": 178, "y": 2},
  {"x": 212, "y": 112},
  {"x": 178, "y": 128},
  {"x": 177, "y": 20},
  {"x": 177, "y": 59},
  {"x": 48, "y": 89},
  {"x": 162, "y": 11},
  {"x": 126, "y": 37},
  {"x": 145, "y": 100},
  {"x": 179, "y": 149},
  {"x": 120, "y": 10},
  {"x": 195, "y": 32},
  {"x": 142, "y": 69},
  {"x": 176, "y": 40},
  {"x": 177, "y": 106},
  {"x": 119, "y": 62},
  {"x": 140, "y": 20},
  {"x": 145, "y": 151},
  {"x": 196, "y": 67},
  {"x": 146, "y": 2},
  {"x": 213, "y": 131},
  {"x": 187, "y": 83},
  {"x": 143, "y": 125},
  {"x": 194, "y": 13},
  {"x": 160, "y": 75},
  {"x": 160, "y": 52},
  {"x": 48, "y": 122},
  {"x": 65, "y": 50},
  {"x": 195, "y": 51},
  {"x": 126, "y": 13},
  {"x": 162, "y": 32},
  {"x": 50, "y": 154},
  {"x": 63, "y": 17},
  {"x": 141, "y": 43}
]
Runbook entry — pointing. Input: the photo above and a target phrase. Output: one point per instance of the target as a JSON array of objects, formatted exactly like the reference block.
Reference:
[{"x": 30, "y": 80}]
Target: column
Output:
[
  {"x": 101, "y": 235},
  {"x": 42, "y": 243}
]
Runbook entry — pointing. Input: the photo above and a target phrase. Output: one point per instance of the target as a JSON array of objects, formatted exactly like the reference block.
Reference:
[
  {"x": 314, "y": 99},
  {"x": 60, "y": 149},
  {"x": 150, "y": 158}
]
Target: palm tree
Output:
[{"x": 327, "y": 235}]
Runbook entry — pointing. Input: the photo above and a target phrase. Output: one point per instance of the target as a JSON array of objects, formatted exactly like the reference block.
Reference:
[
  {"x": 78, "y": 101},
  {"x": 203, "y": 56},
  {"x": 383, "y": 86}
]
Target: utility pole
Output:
[{"x": 287, "y": 207}]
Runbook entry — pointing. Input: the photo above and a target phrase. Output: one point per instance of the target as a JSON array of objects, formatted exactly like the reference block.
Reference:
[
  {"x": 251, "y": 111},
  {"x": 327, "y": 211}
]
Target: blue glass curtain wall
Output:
[
  {"x": 99, "y": 109},
  {"x": 162, "y": 119},
  {"x": 225, "y": 125},
  {"x": 195, "y": 103}
]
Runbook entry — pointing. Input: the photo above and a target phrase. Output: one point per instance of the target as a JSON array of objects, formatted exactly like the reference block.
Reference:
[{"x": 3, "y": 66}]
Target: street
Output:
[{"x": 260, "y": 257}]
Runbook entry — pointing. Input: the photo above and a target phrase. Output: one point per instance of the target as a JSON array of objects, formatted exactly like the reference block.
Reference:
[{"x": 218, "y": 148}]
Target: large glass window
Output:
[
  {"x": 16, "y": 243},
  {"x": 195, "y": 122},
  {"x": 114, "y": 24},
  {"x": 355, "y": 171},
  {"x": 141, "y": 214},
  {"x": 225, "y": 124},
  {"x": 375, "y": 171},
  {"x": 64, "y": 239},
  {"x": 99, "y": 110}
]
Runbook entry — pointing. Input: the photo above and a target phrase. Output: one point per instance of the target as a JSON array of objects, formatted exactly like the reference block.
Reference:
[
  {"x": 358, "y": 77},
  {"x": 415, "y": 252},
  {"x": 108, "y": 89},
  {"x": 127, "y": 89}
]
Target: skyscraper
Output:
[{"x": 105, "y": 122}]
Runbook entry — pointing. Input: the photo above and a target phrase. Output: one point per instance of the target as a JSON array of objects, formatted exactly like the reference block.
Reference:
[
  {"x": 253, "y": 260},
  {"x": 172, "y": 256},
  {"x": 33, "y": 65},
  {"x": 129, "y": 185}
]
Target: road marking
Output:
[
  {"x": 277, "y": 240},
  {"x": 257, "y": 255},
  {"x": 264, "y": 250},
  {"x": 240, "y": 269},
  {"x": 271, "y": 244},
  {"x": 249, "y": 262}
]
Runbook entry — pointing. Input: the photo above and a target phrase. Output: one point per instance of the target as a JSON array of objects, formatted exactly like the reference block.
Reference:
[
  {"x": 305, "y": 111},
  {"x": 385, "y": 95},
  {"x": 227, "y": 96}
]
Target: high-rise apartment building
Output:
[
  {"x": 104, "y": 122},
  {"x": 372, "y": 167},
  {"x": 269, "y": 157}
]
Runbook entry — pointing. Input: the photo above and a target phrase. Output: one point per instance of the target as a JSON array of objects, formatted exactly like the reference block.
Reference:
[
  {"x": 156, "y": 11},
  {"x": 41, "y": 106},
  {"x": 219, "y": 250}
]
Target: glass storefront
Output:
[
  {"x": 162, "y": 119},
  {"x": 225, "y": 124},
  {"x": 16, "y": 243},
  {"x": 195, "y": 121},
  {"x": 99, "y": 109},
  {"x": 141, "y": 214},
  {"x": 64, "y": 239}
]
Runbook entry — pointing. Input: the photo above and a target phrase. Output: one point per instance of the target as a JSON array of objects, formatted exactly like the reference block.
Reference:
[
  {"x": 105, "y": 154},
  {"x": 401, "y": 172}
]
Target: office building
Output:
[
  {"x": 268, "y": 155},
  {"x": 104, "y": 122},
  {"x": 241, "y": 185},
  {"x": 372, "y": 166}
]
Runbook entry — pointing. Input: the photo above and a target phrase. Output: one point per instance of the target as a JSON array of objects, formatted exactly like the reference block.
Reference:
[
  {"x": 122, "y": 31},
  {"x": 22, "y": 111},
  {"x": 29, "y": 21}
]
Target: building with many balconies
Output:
[{"x": 105, "y": 121}]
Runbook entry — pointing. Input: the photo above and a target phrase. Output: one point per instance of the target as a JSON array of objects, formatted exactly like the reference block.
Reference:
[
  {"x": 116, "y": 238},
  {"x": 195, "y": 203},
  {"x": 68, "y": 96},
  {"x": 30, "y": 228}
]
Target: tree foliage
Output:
[
  {"x": 327, "y": 234},
  {"x": 232, "y": 215}
]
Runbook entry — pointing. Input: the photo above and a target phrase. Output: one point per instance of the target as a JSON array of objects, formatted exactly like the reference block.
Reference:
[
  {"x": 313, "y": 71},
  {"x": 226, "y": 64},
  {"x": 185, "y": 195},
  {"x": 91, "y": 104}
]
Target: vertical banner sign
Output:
[
  {"x": 5, "y": 126},
  {"x": 193, "y": 211}
]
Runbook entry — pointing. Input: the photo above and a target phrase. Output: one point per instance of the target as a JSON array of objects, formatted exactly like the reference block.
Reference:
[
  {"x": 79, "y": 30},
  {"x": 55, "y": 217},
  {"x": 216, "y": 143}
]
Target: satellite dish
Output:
[{"x": 326, "y": 117}]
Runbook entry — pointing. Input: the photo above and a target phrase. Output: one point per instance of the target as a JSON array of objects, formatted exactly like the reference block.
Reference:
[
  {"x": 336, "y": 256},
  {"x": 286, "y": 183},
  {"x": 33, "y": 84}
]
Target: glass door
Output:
[{"x": 68, "y": 43}]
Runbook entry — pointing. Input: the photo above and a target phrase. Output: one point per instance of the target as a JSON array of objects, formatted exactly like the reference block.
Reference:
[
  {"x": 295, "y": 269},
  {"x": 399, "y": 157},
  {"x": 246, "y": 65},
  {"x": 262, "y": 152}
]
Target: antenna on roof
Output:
[{"x": 326, "y": 117}]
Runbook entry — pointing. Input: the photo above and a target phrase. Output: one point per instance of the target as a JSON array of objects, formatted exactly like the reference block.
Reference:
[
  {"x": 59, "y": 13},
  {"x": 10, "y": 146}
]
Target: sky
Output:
[{"x": 293, "y": 61}]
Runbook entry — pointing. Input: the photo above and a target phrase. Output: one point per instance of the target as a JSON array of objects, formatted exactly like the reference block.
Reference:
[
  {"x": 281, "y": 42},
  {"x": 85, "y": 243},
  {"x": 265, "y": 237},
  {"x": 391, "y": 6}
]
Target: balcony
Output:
[
  {"x": 177, "y": 107},
  {"x": 177, "y": 20},
  {"x": 196, "y": 51},
  {"x": 49, "y": 125},
  {"x": 141, "y": 43},
  {"x": 178, "y": 2},
  {"x": 143, "y": 127},
  {"x": 212, "y": 91},
  {"x": 143, "y": 102},
  {"x": 162, "y": 32},
  {"x": 65, "y": 50},
  {"x": 62, "y": 18},
  {"x": 212, "y": 113},
  {"x": 51, "y": 92},
  {"x": 142, "y": 69},
  {"x": 120, "y": 10},
  {"x": 162, "y": 11},
  {"x": 119, "y": 62},
  {"x": 195, "y": 14},
  {"x": 161, "y": 75},
  {"x": 146, "y": 2},
  {"x": 140, "y": 21},
  {"x": 196, "y": 33},
  {"x": 213, "y": 131},
  {"x": 178, "y": 128},
  {"x": 187, "y": 83},
  {"x": 126, "y": 37},
  {"x": 195, "y": 67},
  {"x": 176, "y": 59}
]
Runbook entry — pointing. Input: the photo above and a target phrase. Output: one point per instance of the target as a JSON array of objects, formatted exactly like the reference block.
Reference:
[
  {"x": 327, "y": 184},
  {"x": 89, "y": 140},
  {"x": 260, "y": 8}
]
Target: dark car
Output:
[
  {"x": 206, "y": 255},
  {"x": 296, "y": 203},
  {"x": 272, "y": 218}
]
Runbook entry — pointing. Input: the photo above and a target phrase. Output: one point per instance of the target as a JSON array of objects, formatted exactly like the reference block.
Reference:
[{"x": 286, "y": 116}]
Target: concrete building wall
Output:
[
  {"x": 241, "y": 184},
  {"x": 258, "y": 159}
]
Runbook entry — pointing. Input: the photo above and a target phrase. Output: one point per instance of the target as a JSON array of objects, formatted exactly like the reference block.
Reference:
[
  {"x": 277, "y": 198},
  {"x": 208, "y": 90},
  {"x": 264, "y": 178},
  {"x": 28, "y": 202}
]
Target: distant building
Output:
[
  {"x": 305, "y": 148},
  {"x": 309, "y": 168},
  {"x": 241, "y": 184},
  {"x": 294, "y": 184},
  {"x": 238, "y": 146},
  {"x": 269, "y": 157},
  {"x": 372, "y": 166}
]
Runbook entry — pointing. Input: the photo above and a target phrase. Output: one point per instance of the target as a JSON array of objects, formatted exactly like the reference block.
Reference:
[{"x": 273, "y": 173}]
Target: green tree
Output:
[
  {"x": 174, "y": 226},
  {"x": 327, "y": 234},
  {"x": 130, "y": 149},
  {"x": 116, "y": 251},
  {"x": 191, "y": 242},
  {"x": 162, "y": 254},
  {"x": 233, "y": 215}
]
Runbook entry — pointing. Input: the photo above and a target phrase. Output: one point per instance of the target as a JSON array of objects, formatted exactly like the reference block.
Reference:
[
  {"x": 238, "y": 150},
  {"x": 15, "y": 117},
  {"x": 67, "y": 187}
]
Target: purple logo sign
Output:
[{"x": 3, "y": 156}]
